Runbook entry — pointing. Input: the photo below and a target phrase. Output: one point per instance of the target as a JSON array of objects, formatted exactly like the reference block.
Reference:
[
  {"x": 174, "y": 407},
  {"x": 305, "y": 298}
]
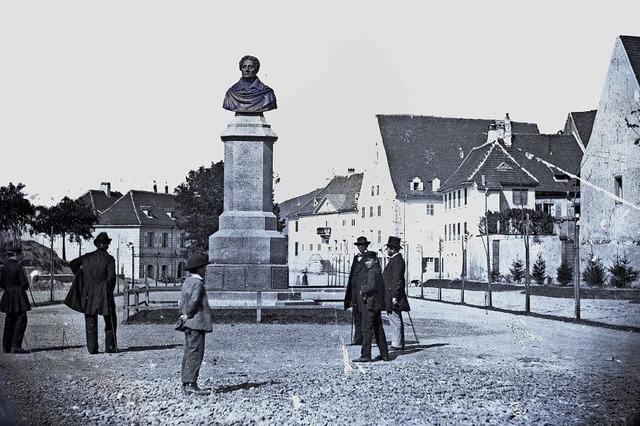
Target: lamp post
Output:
[
  {"x": 463, "y": 275},
  {"x": 421, "y": 270},
  {"x": 133, "y": 255},
  {"x": 440, "y": 268}
]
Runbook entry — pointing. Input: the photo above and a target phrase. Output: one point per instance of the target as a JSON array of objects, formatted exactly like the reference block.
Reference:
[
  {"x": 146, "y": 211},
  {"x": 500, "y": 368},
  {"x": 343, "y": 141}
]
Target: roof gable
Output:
[
  {"x": 631, "y": 45},
  {"x": 430, "y": 147},
  {"x": 340, "y": 192},
  {"x": 582, "y": 123},
  {"x": 143, "y": 208}
]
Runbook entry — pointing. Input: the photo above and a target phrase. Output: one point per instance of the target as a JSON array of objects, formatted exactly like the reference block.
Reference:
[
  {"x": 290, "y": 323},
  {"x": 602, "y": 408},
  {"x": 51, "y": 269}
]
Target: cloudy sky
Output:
[{"x": 131, "y": 91}]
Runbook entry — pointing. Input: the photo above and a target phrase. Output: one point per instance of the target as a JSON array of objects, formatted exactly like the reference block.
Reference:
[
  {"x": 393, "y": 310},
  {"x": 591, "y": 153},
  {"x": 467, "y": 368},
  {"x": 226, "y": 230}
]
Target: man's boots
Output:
[{"x": 193, "y": 389}]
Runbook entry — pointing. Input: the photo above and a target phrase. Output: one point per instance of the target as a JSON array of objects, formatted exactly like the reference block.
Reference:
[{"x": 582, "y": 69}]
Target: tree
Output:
[
  {"x": 16, "y": 211},
  {"x": 69, "y": 217},
  {"x": 539, "y": 271},
  {"x": 594, "y": 274},
  {"x": 564, "y": 273},
  {"x": 517, "y": 270},
  {"x": 622, "y": 274}
]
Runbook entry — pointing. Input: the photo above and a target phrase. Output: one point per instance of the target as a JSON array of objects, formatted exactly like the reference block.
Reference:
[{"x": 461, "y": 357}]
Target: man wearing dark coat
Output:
[
  {"x": 249, "y": 94},
  {"x": 371, "y": 302},
  {"x": 99, "y": 274},
  {"x": 195, "y": 321},
  {"x": 357, "y": 276},
  {"x": 14, "y": 302},
  {"x": 395, "y": 295}
]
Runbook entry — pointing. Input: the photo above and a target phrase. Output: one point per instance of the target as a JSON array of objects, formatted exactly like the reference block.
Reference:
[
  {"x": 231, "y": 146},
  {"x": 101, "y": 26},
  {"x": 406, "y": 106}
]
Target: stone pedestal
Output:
[{"x": 248, "y": 252}]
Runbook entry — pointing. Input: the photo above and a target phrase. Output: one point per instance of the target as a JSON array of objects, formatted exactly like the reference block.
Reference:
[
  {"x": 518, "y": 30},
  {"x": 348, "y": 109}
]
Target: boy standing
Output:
[{"x": 195, "y": 317}]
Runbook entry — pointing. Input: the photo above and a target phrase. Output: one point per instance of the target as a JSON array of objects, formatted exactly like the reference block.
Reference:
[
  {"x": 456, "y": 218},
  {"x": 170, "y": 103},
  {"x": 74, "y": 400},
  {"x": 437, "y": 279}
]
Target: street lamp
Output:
[
  {"x": 465, "y": 243},
  {"x": 421, "y": 271},
  {"x": 133, "y": 254},
  {"x": 440, "y": 240}
]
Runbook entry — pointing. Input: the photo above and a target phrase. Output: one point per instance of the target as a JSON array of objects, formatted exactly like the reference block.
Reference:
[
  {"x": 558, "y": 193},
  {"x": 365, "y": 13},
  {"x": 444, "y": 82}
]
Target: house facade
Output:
[{"x": 610, "y": 192}]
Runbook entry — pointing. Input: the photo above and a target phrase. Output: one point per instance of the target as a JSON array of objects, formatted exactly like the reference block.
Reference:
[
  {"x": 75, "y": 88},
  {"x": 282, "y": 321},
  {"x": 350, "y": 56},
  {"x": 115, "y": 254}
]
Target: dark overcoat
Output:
[
  {"x": 394, "y": 284},
  {"x": 194, "y": 304},
  {"x": 357, "y": 276},
  {"x": 14, "y": 282},
  {"x": 373, "y": 289},
  {"x": 99, "y": 276}
]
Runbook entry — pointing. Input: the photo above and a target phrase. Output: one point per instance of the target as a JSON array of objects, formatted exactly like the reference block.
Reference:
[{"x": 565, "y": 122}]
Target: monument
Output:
[{"x": 247, "y": 251}]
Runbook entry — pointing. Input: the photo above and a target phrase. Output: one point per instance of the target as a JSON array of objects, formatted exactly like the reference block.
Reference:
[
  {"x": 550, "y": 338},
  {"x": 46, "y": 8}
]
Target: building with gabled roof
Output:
[
  {"x": 322, "y": 230},
  {"x": 610, "y": 191},
  {"x": 100, "y": 199},
  {"x": 149, "y": 225}
]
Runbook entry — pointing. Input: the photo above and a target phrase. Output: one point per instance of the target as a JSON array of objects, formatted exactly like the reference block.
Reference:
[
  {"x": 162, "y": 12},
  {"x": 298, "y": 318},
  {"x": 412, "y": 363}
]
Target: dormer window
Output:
[
  {"x": 316, "y": 201},
  {"x": 356, "y": 196},
  {"x": 170, "y": 214},
  {"x": 146, "y": 210},
  {"x": 417, "y": 184}
]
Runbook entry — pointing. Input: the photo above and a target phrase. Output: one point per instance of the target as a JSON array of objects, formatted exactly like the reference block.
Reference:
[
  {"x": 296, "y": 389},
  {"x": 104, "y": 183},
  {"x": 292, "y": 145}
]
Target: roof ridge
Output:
[
  {"x": 133, "y": 204},
  {"x": 484, "y": 160},
  {"x": 519, "y": 165},
  {"x": 113, "y": 204}
]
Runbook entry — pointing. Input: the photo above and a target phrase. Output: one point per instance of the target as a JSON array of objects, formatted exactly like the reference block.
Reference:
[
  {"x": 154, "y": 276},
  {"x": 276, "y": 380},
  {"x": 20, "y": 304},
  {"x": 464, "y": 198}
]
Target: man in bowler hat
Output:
[
  {"x": 99, "y": 273},
  {"x": 357, "y": 276},
  {"x": 371, "y": 303},
  {"x": 395, "y": 295},
  {"x": 14, "y": 302},
  {"x": 195, "y": 321}
]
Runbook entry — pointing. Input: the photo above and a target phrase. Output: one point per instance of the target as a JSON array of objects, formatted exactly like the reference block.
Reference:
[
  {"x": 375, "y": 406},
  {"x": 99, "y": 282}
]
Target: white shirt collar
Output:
[
  {"x": 196, "y": 276},
  {"x": 394, "y": 254}
]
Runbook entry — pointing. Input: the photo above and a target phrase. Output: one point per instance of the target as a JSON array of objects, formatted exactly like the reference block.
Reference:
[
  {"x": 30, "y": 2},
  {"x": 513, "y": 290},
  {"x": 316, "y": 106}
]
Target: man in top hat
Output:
[
  {"x": 357, "y": 276},
  {"x": 395, "y": 296},
  {"x": 195, "y": 321},
  {"x": 14, "y": 302},
  {"x": 99, "y": 272},
  {"x": 371, "y": 302}
]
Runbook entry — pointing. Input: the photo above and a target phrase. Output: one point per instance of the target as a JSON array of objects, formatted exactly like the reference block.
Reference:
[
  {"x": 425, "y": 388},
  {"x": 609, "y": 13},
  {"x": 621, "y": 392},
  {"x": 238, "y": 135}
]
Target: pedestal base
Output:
[{"x": 247, "y": 276}]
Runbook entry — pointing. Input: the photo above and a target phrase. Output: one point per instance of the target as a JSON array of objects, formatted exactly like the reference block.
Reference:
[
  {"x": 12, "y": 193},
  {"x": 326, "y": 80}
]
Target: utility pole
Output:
[
  {"x": 421, "y": 271},
  {"x": 465, "y": 243},
  {"x": 576, "y": 257},
  {"x": 486, "y": 231},
  {"x": 440, "y": 269},
  {"x": 52, "y": 271},
  {"x": 527, "y": 278}
]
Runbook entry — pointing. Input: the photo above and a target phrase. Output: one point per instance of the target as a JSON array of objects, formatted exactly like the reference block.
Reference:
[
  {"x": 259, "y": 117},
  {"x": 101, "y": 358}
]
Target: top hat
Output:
[
  {"x": 101, "y": 239},
  {"x": 197, "y": 260},
  {"x": 394, "y": 242},
  {"x": 362, "y": 240}
]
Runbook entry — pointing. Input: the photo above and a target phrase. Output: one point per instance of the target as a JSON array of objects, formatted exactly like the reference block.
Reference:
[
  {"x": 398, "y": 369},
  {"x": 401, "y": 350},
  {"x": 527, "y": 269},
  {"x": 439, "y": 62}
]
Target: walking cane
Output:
[
  {"x": 32, "y": 298},
  {"x": 413, "y": 328},
  {"x": 351, "y": 335}
]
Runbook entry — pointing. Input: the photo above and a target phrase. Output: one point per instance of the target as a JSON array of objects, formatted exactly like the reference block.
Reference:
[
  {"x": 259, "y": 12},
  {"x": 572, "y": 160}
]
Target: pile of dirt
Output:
[{"x": 38, "y": 256}]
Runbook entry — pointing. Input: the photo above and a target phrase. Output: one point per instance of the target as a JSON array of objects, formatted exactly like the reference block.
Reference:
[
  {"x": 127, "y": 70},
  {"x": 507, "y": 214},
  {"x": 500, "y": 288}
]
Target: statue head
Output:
[{"x": 249, "y": 66}]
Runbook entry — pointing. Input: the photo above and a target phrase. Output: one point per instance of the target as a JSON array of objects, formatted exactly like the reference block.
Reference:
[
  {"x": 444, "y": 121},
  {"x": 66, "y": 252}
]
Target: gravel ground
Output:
[{"x": 471, "y": 367}]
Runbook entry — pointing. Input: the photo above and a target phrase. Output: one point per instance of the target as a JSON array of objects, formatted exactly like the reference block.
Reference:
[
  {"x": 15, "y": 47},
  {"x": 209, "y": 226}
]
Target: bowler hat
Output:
[
  {"x": 369, "y": 255},
  {"x": 197, "y": 260},
  {"x": 394, "y": 242},
  {"x": 362, "y": 240},
  {"x": 101, "y": 239}
]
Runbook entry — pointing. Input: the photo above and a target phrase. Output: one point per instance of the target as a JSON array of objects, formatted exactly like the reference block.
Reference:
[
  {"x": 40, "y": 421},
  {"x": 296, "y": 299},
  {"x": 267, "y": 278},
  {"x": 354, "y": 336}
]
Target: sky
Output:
[{"x": 131, "y": 91}]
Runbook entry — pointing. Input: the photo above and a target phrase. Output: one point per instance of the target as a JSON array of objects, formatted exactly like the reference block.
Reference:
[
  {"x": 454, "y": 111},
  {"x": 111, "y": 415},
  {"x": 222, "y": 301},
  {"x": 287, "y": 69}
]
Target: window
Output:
[
  {"x": 182, "y": 240},
  {"x": 379, "y": 210},
  {"x": 444, "y": 201},
  {"x": 296, "y": 249},
  {"x": 451, "y": 237},
  {"x": 520, "y": 196},
  {"x": 296, "y": 226},
  {"x": 436, "y": 265},
  {"x": 310, "y": 247},
  {"x": 465, "y": 196},
  {"x": 449, "y": 199},
  {"x": 372, "y": 191},
  {"x": 163, "y": 272},
  {"x": 445, "y": 232},
  {"x": 319, "y": 247},
  {"x": 454, "y": 199},
  {"x": 371, "y": 211},
  {"x": 458, "y": 230},
  {"x": 301, "y": 247},
  {"x": 363, "y": 212},
  {"x": 377, "y": 189},
  {"x": 617, "y": 186},
  {"x": 417, "y": 184},
  {"x": 165, "y": 239},
  {"x": 379, "y": 237},
  {"x": 149, "y": 271},
  {"x": 148, "y": 239},
  {"x": 465, "y": 228},
  {"x": 353, "y": 222},
  {"x": 344, "y": 222},
  {"x": 459, "y": 199},
  {"x": 429, "y": 209}
]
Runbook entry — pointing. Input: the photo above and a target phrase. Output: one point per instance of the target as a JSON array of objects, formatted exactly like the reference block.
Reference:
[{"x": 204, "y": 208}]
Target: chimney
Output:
[
  {"x": 507, "y": 130},
  {"x": 350, "y": 171},
  {"x": 155, "y": 187},
  {"x": 106, "y": 188},
  {"x": 166, "y": 188},
  {"x": 492, "y": 134}
]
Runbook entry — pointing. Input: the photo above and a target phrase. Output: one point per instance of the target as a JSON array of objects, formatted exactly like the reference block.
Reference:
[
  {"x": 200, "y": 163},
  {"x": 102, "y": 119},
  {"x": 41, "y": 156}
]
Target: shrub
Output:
[
  {"x": 594, "y": 274},
  {"x": 539, "y": 271},
  {"x": 565, "y": 273},
  {"x": 517, "y": 270},
  {"x": 621, "y": 273}
]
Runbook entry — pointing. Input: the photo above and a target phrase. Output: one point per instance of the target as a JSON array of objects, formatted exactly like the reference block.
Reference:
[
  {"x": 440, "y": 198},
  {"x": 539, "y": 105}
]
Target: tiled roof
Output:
[
  {"x": 560, "y": 150},
  {"x": 98, "y": 199},
  {"x": 632, "y": 47},
  {"x": 143, "y": 208},
  {"x": 583, "y": 122},
  {"x": 290, "y": 206},
  {"x": 428, "y": 147},
  {"x": 340, "y": 191},
  {"x": 492, "y": 161}
]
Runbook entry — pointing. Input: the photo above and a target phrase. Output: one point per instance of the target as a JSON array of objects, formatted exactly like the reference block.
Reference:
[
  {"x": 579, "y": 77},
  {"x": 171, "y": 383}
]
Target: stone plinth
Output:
[{"x": 247, "y": 251}]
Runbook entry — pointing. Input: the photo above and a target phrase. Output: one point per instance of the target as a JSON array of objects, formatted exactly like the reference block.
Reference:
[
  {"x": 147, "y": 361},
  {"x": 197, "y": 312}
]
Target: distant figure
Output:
[
  {"x": 357, "y": 276},
  {"x": 96, "y": 295},
  {"x": 305, "y": 279},
  {"x": 395, "y": 295},
  {"x": 371, "y": 303},
  {"x": 249, "y": 94},
  {"x": 195, "y": 321},
  {"x": 14, "y": 302}
]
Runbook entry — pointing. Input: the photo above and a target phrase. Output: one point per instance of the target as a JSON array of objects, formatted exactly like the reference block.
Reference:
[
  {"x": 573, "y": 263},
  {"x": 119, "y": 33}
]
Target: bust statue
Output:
[{"x": 249, "y": 94}]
